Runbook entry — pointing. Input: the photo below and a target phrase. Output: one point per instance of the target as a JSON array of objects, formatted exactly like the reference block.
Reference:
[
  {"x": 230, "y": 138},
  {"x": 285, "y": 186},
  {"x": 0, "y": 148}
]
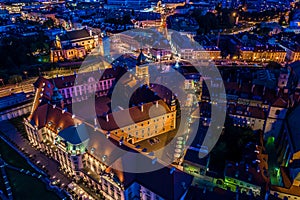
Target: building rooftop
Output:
[
  {"x": 53, "y": 117},
  {"x": 181, "y": 40},
  {"x": 74, "y": 135},
  {"x": 280, "y": 102},
  {"x": 137, "y": 114},
  {"x": 141, "y": 59},
  {"x": 164, "y": 182},
  {"x": 74, "y": 35},
  {"x": 69, "y": 81}
]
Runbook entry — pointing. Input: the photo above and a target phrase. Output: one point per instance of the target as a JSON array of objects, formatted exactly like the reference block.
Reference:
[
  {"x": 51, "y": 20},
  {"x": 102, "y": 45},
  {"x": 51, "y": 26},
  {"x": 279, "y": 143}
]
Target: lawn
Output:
[
  {"x": 23, "y": 186},
  {"x": 27, "y": 187}
]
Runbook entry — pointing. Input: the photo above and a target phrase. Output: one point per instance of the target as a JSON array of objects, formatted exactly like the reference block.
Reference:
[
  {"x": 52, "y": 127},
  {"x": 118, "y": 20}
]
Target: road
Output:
[{"x": 26, "y": 86}]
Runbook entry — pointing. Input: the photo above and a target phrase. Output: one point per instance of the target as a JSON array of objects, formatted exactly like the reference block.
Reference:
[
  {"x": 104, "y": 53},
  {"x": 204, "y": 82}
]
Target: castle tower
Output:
[
  {"x": 173, "y": 104},
  {"x": 57, "y": 98},
  {"x": 141, "y": 70}
]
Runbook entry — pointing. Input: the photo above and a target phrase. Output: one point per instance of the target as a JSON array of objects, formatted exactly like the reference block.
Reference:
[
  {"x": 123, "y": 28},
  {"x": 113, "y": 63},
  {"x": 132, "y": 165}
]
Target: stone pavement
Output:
[{"x": 38, "y": 158}]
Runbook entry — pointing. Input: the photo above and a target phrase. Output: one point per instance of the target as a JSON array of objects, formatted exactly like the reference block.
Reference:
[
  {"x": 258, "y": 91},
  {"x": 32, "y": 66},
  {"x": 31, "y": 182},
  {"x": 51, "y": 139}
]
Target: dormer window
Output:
[{"x": 92, "y": 150}]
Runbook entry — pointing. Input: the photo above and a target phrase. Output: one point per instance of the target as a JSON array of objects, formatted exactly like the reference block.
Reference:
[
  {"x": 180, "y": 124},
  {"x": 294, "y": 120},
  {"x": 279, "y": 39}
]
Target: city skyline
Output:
[{"x": 149, "y": 100}]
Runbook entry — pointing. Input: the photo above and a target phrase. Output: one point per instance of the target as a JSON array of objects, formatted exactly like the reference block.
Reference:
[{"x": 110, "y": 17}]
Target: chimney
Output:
[
  {"x": 95, "y": 121},
  {"x": 154, "y": 161},
  {"x": 172, "y": 170},
  {"x": 107, "y": 119},
  {"x": 142, "y": 107},
  {"x": 156, "y": 104},
  {"x": 62, "y": 104}
]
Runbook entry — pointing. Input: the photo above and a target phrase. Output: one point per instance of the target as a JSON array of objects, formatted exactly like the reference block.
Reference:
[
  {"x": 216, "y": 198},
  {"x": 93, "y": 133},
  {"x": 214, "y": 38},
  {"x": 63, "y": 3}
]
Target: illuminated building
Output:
[
  {"x": 88, "y": 152},
  {"x": 71, "y": 91},
  {"x": 148, "y": 19},
  {"x": 182, "y": 45},
  {"x": 141, "y": 70},
  {"x": 14, "y": 8},
  {"x": 247, "y": 116},
  {"x": 73, "y": 45},
  {"x": 263, "y": 53},
  {"x": 129, "y": 3},
  {"x": 163, "y": 54},
  {"x": 292, "y": 51},
  {"x": 207, "y": 53},
  {"x": 247, "y": 53},
  {"x": 187, "y": 49}
]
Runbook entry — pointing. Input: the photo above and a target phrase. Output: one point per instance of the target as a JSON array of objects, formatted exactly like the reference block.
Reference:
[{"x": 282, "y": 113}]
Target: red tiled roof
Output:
[
  {"x": 239, "y": 109},
  {"x": 257, "y": 112},
  {"x": 279, "y": 102},
  {"x": 136, "y": 115},
  {"x": 52, "y": 117},
  {"x": 39, "y": 116}
]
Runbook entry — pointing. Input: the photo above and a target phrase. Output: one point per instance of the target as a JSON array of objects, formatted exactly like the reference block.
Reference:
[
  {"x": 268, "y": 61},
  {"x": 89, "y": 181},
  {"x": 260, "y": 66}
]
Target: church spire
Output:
[{"x": 141, "y": 59}]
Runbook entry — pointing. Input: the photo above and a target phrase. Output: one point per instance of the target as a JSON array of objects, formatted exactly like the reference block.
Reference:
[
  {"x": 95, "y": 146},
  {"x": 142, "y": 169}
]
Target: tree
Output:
[
  {"x": 282, "y": 20},
  {"x": 15, "y": 79},
  {"x": 49, "y": 23}
]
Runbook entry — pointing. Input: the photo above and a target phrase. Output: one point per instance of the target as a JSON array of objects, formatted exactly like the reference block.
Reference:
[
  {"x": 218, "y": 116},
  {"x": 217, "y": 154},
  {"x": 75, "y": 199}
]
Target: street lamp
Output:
[{"x": 25, "y": 73}]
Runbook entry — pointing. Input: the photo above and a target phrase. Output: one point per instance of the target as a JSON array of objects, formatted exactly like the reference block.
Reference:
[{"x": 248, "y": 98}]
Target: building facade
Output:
[
  {"x": 86, "y": 152},
  {"x": 73, "y": 45}
]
